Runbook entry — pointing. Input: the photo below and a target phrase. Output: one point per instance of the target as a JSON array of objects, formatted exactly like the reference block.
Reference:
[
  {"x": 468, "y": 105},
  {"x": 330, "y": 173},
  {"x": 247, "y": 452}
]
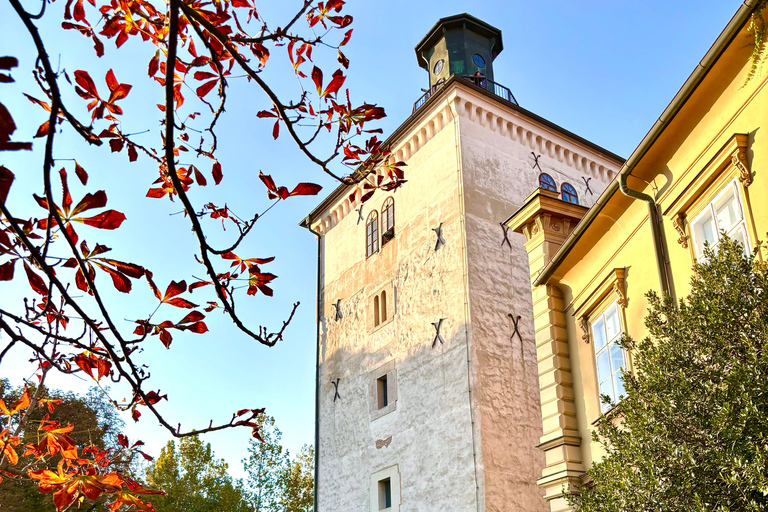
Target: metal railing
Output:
[{"x": 480, "y": 81}]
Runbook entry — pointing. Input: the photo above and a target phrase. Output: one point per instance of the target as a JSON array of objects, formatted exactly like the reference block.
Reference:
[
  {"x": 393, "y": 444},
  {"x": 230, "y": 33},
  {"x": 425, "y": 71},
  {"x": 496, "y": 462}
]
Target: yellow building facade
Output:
[{"x": 702, "y": 169}]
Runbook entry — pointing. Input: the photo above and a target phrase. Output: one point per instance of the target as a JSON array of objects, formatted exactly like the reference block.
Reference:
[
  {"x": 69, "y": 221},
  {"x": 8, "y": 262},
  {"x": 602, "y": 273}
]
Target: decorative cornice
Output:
[
  {"x": 614, "y": 283},
  {"x": 463, "y": 103}
]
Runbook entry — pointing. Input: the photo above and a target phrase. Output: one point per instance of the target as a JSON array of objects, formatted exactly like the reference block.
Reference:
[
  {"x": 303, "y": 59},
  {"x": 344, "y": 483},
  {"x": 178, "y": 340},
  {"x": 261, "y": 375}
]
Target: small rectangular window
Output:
[
  {"x": 385, "y": 494},
  {"x": 381, "y": 392}
]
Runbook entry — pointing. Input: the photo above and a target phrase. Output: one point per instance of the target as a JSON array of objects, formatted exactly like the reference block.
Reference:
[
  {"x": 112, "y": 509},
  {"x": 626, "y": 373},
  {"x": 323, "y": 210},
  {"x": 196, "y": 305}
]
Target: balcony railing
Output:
[{"x": 480, "y": 81}]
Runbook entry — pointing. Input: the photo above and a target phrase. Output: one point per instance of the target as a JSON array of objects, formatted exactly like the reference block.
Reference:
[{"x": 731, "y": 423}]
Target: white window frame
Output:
[
  {"x": 614, "y": 374},
  {"x": 709, "y": 212}
]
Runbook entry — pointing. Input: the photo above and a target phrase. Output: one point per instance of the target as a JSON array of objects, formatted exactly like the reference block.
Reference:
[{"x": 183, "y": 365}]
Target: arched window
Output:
[
  {"x": 546, "y": 182},
  {"x": 372, "y": 233},
  {"x": 383, "y": 306},
  {"x": 387, "y": 220},
  {"x": 376, "y": 317},
  {"x": 569, "y": 193}
]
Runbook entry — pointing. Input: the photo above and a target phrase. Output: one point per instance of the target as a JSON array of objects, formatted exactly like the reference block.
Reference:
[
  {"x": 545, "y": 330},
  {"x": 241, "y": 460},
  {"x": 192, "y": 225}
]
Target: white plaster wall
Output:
[
  {"x": 430, "y": 429},
  {"x": 498, "y": 175}
]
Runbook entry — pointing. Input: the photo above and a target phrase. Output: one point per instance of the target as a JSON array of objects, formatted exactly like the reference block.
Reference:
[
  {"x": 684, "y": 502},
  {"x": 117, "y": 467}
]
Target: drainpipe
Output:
[
  {"x": 308, "y": 225},
  {"x": 656, "y": 229}
]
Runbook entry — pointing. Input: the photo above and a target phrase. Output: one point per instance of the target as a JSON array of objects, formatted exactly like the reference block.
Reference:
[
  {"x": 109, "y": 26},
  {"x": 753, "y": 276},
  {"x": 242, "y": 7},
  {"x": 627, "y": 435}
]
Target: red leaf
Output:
[
  {"x": 6, "y": 178},
  {"x": 121, "y": 282},
  {"x": 198, "y": 328},
  {"x": 6, "y": 270},
  {"x": 335, "y": 83},
  {"x": 81, "y": 174},
  {"x": 111, "y": 81},
  {"x": 343, "y": 60},
  {"x": 154, "y": 64},
  {"x": 42, "y": 131},
  {"x": 120, "y": 92},
  {"x": 198, "y": 284},
  {"x": 133, "y": 155},
  {"x": 317, "y": 77},
  {"x": 91, "y": 201},
  {"x": 216, "y": 172},
  {"x": 194, "y": 316},
  {"x": 199, "y": 176},
  {"x": 204, "y": 75},
  {"x": 110, "y": 219},
  {"x": 85, "y": 81},
  {"x": 276, "y": 129},
  {"x": 206, "y": 88},
  {"x": 35, "y": 281},
  {"x": 266, "y": 113},
  {"x": 346, "y": 37},
  {"x": 180, "y": 303},
  {"x": 166, "y": 338},
  {"x": 306, "y": 189},
  {"x": 174, "y": 288},
  {"x": 123, "y": 440}
]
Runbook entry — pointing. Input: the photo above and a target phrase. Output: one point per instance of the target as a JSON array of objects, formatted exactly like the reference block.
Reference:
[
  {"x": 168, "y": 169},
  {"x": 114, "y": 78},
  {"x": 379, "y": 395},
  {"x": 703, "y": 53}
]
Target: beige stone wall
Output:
[
  {"x": 429, "y": 432},
  {"x": 498, "y": 174}
]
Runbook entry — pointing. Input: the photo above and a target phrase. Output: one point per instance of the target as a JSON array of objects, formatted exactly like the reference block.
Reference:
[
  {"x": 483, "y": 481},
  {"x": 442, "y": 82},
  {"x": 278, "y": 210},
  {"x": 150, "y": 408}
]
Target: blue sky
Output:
[{"x": 603, "y": 70}]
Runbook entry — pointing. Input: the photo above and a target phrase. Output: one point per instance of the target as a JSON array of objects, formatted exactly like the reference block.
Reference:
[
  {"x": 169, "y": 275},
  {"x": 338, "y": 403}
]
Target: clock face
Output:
[
  {"x": 478, "y": 60},
  {"x": 438, "y": 66}
]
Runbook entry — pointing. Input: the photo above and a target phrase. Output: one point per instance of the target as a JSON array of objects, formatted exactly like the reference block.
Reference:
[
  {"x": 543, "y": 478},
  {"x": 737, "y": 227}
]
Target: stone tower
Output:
[{"x": 427, "y": 380}]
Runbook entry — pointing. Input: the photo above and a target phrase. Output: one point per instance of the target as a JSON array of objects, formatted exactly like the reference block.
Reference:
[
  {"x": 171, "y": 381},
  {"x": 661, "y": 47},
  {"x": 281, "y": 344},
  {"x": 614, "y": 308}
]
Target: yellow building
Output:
[{"x": 700, "y": 170}]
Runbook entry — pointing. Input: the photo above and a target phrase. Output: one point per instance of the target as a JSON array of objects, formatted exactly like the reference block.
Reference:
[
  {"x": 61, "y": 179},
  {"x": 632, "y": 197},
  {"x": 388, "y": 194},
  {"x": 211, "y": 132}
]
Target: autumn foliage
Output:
[{"x": 52, "y": 242}]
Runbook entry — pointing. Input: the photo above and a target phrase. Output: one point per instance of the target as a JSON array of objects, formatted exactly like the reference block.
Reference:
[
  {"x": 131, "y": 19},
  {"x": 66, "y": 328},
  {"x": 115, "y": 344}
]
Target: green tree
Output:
[
  {"x": 98, "y": 424},
  {"x": 298, "y": 482},
  {"x": 194, "y": 480},
  {"x": 265, "y": 466},
  {"x": 692, "y": 432}
]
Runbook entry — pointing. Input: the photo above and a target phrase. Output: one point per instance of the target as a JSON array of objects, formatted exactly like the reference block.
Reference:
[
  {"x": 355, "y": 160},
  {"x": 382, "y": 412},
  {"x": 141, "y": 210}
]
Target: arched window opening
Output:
[
  {"x": 383, "y": 306},
  {"x": 569, "y": 193},
  {"x": 376, "y": 317},
  {"x": 546, "y": 182},
  {"x": 372, "y": 234},
  {"x": 387, "y": 220}
]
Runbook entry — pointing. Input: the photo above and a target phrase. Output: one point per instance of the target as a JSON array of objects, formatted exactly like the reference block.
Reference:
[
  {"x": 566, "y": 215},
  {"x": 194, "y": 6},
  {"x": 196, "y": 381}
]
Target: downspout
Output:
[
  {"x": 308, "y": 225},
  {"x": 662, "y": 264}
]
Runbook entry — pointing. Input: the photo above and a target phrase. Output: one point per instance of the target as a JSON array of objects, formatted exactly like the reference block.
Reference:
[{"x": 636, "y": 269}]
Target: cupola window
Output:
[{"x": 478, "y": 60}]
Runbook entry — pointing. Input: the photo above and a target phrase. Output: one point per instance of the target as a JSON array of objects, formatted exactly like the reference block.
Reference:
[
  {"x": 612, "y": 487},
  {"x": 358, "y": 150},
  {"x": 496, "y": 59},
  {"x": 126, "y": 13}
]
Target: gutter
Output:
[
  {"x": 307, "y": 224},
  {"x": 683, "y": 95}
]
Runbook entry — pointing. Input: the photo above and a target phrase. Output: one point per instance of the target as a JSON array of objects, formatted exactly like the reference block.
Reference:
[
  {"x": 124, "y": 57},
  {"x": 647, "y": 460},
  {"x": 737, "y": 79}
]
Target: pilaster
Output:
[{"x": 546, "y": 221}]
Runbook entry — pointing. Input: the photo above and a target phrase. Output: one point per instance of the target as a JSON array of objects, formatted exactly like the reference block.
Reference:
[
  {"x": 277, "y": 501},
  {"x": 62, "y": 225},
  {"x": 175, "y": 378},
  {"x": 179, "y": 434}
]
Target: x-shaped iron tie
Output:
[
  {"x": 515, "y": 321},
  {"x": 536, "y": 161},
  {"x": 439, "y": 232},
  {"x": 337, "y": 305},
  {"x": 586, "y": 182},
  {"x": 438, "y": 337},
  {"x": 359, "y": 214},
  {"x": 336, "y": 389},
  {"x": 505, "y": 228}
]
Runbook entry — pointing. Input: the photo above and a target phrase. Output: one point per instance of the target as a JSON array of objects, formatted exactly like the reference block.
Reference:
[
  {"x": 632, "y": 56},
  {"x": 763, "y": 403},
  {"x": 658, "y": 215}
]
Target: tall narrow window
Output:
[
  {"x": 376, "y": 317},
  {"x": 385, "y": 494},
  {"x": 381, "y": 392},
  {"x": 606, "y": 331},
  {"x": 387, "y": 220},
  {"x": 546, "y": 182},
  {"x": 723, "y": 214},
  {"x": 383, "y": 306},
  {"x": 569, "y": 193},
  {"x": 372, "y": 233}
]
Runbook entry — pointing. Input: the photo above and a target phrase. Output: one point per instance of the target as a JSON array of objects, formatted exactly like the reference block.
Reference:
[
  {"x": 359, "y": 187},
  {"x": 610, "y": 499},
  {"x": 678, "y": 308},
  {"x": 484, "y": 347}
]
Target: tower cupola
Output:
[{"x": 459, "y": 45}]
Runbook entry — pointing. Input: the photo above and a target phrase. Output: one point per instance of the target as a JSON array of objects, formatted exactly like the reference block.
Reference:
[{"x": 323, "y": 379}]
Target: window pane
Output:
[
  {"x": 619, "y": 381},
  {"x": 617, "y": 357},
  {"x": 704, "y": 231},
  {"x": 606, "y": 388},
  {"x": 612, "y": 326},
  {"x": 603, "y": 366},
  {"x": 739, "y": 233},
  {"x": 727, "y": 210},
  {"x": 598, "y": 331}
]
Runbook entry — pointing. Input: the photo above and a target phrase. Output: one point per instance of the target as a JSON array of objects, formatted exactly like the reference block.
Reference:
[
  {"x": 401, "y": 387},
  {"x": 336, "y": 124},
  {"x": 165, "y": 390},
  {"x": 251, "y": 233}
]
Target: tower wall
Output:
[
  {"x": 499, "y": 171},
  {"x": 428, "y": 435}
]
